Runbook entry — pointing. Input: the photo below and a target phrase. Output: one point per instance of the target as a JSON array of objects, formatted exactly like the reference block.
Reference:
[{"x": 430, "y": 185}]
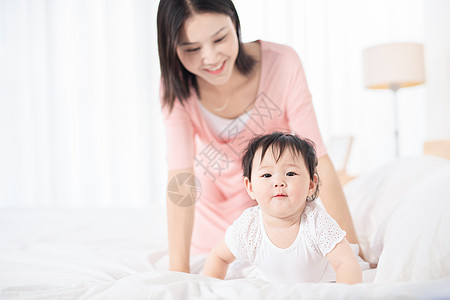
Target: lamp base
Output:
[{"x": 394, "y": 88}]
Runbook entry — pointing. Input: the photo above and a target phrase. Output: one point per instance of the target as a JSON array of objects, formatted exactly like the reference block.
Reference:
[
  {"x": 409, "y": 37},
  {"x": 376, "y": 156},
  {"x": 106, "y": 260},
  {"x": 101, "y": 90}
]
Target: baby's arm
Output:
[
  {"x": 344, "y": 263},
  {"x": 218, "y": 260}
]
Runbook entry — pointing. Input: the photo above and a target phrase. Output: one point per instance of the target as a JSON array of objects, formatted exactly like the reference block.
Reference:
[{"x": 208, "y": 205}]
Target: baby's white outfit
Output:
[{"x": 303, "y": 261}]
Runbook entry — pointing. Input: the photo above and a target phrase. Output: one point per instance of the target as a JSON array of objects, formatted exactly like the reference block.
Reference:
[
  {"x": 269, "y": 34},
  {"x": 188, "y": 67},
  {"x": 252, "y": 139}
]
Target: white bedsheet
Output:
[{"x": 122, "y": 254}]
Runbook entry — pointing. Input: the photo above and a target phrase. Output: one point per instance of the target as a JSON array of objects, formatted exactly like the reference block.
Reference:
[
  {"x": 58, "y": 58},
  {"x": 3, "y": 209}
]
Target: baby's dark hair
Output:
[{"x": 278, "y": 142}]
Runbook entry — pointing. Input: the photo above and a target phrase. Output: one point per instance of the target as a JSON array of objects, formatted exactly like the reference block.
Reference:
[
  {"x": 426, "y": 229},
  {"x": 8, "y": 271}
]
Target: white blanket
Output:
[{"x": 122, "y": 254}]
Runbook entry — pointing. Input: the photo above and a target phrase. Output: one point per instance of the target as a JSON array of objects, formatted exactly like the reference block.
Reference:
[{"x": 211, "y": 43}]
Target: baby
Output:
[{"x": 287, "y": 237}]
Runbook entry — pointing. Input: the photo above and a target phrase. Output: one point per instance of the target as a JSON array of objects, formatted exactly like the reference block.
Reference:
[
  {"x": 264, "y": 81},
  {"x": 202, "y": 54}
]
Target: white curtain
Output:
[
  {"x": 79, "y": 110},
  {"x": 80, "y": 119}
]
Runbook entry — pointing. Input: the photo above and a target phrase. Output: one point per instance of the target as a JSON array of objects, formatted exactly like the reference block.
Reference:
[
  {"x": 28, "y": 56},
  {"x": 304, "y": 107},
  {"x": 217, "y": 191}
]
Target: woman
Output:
[{"x": 216, "y": 94}]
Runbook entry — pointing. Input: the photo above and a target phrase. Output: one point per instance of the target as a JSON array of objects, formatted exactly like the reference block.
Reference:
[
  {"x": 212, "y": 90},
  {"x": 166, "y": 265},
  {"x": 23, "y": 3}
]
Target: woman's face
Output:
[{"x": 208, "y": 47}]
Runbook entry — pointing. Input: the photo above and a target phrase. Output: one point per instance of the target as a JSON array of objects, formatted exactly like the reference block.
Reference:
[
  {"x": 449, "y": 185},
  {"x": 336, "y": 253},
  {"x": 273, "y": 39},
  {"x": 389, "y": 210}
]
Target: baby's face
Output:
[{"x": 280, "y": 188}]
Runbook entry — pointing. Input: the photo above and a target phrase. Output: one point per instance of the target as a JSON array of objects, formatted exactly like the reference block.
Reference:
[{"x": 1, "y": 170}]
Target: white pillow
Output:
[
  {"x": 387, "y": 206},
  {"x": 417, "y": 236}
]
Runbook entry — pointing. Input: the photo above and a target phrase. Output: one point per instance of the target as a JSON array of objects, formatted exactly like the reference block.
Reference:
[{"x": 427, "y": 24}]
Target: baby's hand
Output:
[{"x": 218, "y": 260}]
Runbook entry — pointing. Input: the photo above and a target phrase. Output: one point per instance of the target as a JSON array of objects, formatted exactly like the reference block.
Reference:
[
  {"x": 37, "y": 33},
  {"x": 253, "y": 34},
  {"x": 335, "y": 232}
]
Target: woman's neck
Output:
[
  {"x": 225, "y": 100},
  {"x": 234, "y": 97}
]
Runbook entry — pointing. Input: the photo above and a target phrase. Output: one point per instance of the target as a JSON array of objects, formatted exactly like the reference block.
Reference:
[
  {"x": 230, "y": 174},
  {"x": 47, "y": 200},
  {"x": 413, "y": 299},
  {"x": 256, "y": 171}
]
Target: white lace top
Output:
[{"x": 303, "y": 261}]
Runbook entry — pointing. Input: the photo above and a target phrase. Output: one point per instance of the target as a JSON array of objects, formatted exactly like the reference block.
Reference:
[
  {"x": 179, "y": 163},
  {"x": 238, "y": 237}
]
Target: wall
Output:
[{"x": 437, "y": 59}]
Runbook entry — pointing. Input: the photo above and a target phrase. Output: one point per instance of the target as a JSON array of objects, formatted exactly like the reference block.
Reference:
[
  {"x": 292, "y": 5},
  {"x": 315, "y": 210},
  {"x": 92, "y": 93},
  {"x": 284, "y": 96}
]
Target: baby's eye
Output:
[
  {"x": 267, "y": 175},
  {"x": 291, "y": 174}
]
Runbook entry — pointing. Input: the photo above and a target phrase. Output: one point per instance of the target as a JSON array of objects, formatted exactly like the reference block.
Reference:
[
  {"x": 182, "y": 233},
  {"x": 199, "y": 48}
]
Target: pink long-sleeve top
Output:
[{"x": 283, "y": 103}]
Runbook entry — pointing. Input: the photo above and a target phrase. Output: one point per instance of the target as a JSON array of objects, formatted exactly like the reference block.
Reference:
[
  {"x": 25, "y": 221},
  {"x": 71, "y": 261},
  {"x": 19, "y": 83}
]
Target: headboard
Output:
[{"x": 439, "y": 148}]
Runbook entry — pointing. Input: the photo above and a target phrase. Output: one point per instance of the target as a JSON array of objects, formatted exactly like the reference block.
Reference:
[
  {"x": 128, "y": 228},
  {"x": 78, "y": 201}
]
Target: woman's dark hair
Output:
[
  {"x": 177, "y": 81},
  {"x": 279, "y": 142}
]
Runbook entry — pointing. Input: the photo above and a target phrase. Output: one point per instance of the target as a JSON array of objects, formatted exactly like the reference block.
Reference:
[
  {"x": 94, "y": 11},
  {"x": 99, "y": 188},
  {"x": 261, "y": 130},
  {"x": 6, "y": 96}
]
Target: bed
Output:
[{"x": 401, "y": 212}]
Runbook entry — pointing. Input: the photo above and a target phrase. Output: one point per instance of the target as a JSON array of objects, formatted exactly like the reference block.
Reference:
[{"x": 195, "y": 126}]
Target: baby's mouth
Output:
[{"x": 280, "y": 196}]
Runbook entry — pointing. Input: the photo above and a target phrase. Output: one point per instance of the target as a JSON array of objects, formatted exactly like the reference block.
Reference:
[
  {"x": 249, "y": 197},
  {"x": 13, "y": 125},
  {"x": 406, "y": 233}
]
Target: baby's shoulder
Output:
[
  {"x": 244, "y": 235},
  {"x": 321, "y": 229},
  {"x": 312, "y": 210},
  {"x": 247, "y": 226},
  {"x": 248, "y": 218},
  {"x": 315, "y": 216}
]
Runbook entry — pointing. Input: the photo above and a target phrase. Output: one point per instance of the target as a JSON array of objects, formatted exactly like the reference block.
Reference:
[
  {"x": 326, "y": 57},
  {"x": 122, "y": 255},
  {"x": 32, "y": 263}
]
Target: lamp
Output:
[{"x": 393, "y": 66}]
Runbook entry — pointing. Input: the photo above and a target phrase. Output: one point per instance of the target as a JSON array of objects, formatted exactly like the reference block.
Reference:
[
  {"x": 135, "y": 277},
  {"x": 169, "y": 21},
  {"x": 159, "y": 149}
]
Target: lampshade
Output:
[{"x": 397, "y": 64}]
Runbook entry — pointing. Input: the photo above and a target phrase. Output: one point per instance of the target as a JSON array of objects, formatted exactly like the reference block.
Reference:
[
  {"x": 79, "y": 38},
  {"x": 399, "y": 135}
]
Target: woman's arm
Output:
[
  {"x": 344, "y": 263},
  {"x": 180, "y": 219},
  {"x": 333, "y": 198},
  {"x": 218, "y": 260}
]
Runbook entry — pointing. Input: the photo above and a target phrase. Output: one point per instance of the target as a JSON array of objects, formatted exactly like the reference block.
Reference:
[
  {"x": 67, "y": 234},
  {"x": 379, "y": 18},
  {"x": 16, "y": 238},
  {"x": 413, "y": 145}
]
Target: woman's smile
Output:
[{"x": 217, "y": 70}]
